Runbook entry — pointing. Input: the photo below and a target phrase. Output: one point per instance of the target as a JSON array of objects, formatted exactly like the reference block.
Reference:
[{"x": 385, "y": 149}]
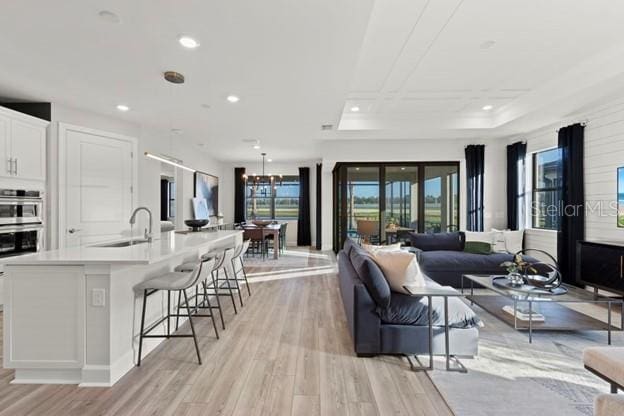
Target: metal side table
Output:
[{"x": 430, "y": 293}]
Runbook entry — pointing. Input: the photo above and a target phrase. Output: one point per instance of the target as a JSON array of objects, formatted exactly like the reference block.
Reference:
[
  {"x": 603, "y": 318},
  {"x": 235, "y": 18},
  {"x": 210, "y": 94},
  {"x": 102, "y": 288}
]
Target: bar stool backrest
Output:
[
  {"x": 228, "y": 255},
  {"x": 197, "y": 271},
  {"x": 219, "y": 257}
]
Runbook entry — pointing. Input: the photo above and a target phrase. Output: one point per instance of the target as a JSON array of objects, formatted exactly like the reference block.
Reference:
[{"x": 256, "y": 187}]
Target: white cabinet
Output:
[{"x": 22, "y": 146}]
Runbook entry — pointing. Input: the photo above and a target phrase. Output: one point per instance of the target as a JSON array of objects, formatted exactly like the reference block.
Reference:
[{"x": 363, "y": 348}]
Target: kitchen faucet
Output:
[{"x": 147, "y": 235}]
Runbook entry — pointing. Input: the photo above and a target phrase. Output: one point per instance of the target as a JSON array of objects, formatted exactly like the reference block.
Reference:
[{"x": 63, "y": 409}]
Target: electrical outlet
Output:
[{"x": 98, "y": 297}]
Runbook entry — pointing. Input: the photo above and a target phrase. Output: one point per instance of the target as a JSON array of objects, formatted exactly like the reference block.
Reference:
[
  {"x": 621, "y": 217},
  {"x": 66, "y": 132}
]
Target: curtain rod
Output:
[{"x": 582, "y": 123}]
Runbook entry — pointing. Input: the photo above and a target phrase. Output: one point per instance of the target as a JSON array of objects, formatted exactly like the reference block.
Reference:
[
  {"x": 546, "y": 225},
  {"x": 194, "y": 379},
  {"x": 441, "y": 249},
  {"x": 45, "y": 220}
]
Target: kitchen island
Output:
[{"x": 72, "y": 315}]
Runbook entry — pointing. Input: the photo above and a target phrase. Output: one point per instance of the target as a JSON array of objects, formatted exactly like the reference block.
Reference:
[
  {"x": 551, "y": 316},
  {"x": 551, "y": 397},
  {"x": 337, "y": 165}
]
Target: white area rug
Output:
[{"x": 511, "y": 377}]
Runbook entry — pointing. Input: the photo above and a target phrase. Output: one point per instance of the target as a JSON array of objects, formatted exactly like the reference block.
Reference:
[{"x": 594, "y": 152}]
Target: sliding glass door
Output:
[
  {"x": 441, "y": 199},
  {"x": 377, "y": 201}
]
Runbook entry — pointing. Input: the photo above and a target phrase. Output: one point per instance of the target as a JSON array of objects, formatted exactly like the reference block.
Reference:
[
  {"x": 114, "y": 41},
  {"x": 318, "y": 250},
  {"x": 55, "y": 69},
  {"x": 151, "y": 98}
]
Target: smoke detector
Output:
[{"x": 327, "y": 126}]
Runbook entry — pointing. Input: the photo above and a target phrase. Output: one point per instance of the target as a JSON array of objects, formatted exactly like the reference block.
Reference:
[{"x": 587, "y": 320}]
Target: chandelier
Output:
[{"x": 261, "y": 186}]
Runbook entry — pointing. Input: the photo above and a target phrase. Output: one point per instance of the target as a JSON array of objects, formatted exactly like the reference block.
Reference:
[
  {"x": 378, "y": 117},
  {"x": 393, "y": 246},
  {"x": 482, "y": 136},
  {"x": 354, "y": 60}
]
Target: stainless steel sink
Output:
[{"x": 125, "y": 243}]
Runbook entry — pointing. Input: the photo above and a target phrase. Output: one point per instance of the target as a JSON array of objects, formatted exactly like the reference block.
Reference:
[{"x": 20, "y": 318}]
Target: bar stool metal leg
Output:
[
  {"x": 209, "y": 306},
  {"x": 245, "y": 275},
  {"x": 142, "y": 327},
  {"x": 214, "y": 285},
  {"x": 188, "y": 310},
  {"x": 229, "y": 288},
  {"x": 235, "y": 279}
]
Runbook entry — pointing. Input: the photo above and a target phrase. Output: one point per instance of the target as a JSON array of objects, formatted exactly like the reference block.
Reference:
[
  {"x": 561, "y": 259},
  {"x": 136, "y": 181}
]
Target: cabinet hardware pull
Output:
[
  {"x": 10, "y": 166},
  {"x": 621, "y": 267},
  {"x": 15, "y": 166}
]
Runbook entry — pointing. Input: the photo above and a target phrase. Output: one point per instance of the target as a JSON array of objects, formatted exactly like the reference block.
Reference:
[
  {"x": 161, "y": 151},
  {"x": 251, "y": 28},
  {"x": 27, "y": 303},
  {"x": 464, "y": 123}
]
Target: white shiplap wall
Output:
[{"x": 604, "y": 153}]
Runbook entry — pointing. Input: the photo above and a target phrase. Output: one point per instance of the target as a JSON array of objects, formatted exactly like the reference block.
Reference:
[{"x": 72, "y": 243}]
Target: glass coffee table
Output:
[{"x": 556, "y": 316}]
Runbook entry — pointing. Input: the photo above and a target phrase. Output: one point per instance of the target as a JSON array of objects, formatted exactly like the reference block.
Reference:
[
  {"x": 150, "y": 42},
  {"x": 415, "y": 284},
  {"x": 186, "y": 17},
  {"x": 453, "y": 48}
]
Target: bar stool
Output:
[
  {"x": 238, "y": 265},
  {"x": 220, "y": 260},
  {"x": 226, "y": 262},
  {"x": 171, "y": 281}
]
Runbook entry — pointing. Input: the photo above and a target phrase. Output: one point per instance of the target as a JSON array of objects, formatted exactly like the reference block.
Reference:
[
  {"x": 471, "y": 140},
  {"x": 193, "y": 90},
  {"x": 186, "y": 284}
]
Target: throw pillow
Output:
[
  {"x": 499, "y": 241},
  {"x": 478, "y": 247},
  {"x": 513, "y": 240},
  {"x": 373, "y": 248},
  {"x": 399, "y": 268},
  {"x": 439, "y": 241}
]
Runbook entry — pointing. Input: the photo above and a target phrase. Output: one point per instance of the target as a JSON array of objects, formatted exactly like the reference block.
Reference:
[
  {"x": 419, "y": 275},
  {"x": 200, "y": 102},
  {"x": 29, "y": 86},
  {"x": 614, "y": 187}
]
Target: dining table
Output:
[{"x": 267, "y": 230}]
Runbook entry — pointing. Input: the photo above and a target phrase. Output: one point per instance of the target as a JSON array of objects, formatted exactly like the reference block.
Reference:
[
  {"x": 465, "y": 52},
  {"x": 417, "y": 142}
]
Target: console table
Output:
[
  {"x": 429, "y": 293},
  {"x": 600, "y": 264}
]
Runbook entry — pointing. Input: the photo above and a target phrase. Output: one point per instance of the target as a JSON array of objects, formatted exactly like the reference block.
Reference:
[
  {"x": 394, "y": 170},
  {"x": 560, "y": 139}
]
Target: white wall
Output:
[
  {"x": 419, "y": 151},
  {"x": 604, "y": 153},
  {"x": 152, "y": 140},
  {"x": 287, "y": 168}
]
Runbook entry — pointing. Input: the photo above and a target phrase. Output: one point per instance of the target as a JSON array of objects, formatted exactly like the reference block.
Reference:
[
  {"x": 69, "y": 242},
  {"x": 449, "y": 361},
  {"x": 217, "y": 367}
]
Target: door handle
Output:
[
  {"x": 73, "y": 230},
  {"x": 621, "y": 267}
]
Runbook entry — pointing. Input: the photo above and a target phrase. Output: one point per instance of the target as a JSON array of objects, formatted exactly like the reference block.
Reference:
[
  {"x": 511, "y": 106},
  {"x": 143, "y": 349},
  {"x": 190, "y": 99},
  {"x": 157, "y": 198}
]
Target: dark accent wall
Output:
[{"x": 39, "y": 110}]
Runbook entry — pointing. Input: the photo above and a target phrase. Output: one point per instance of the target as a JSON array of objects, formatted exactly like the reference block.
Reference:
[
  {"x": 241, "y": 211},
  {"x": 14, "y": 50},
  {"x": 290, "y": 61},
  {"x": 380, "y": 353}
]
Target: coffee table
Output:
[{"x": 557, "y": 317}]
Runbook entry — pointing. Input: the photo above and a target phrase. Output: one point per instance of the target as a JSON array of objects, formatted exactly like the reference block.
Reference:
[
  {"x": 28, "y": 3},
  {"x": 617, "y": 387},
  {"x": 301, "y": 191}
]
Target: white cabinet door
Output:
[
  {"x": 28, "y": 150},
  {"x": 5, "y": 130}
]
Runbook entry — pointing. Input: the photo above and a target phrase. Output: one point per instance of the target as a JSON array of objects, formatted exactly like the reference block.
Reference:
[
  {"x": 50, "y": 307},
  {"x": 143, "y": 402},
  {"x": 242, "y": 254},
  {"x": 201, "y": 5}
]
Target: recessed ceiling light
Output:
[
  {"x": 109, "y": 17},
  {"x": 233, "y": 98},
  {"x": 355, "y": 109},
  {"x": 269, "y": 160},
  {"x": 188, "y": 42},
  {"x": 488, "y": 107},
  {"x": 402, "y": 168},
  {"x": 123, "y": 107},
  {"x": 256, "y": 146}
]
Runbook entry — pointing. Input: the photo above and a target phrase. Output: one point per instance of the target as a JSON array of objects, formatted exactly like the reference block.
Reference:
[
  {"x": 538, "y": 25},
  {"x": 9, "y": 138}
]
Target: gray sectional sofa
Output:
[
  {"x": 386, "y": 322},
  {"x": 442, "y": 258}
]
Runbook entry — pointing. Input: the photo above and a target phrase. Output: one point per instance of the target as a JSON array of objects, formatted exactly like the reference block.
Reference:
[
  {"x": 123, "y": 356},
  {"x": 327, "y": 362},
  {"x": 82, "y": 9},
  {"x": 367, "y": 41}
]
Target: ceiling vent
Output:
[
  {"x": 174, "y": 77},
  {"x": 325, "y": 127}
]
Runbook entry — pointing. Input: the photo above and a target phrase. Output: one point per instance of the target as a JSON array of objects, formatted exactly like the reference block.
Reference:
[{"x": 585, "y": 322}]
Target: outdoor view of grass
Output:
[{"x": 284, "y": 200}]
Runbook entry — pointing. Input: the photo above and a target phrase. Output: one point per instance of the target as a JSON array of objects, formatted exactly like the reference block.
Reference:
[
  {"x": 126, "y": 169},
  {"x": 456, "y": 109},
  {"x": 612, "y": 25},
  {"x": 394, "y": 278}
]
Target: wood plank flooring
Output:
[{"x": 287, "y": 352}]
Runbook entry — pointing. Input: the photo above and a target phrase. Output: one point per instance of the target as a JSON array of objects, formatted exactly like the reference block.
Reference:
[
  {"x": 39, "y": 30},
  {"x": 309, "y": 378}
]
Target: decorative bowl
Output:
[
  {"x": 261, "y": 223},
  {"x": 196, "y": 224}
]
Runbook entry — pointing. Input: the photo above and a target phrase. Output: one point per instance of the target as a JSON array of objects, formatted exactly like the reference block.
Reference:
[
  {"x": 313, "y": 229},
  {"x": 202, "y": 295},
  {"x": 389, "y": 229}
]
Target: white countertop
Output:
[{"x": 169, "y": 244}]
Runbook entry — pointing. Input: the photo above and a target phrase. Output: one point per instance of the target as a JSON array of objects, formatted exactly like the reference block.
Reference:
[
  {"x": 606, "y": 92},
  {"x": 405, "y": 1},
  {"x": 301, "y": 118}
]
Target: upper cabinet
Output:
[{"x": 22, "y": 146}]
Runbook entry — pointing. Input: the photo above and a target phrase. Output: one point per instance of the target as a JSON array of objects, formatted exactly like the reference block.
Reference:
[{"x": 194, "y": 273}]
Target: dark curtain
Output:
[
  {"x": 303, "y": 224},
  {"x": 319, "y": 173},
  {"x": 474, "y": 177},
  {"x": 572, "y": 216},
  {"x": 164, "y": 199},
  {"x": 239, "y": 195},
  {"x": 516, "y": 154}
]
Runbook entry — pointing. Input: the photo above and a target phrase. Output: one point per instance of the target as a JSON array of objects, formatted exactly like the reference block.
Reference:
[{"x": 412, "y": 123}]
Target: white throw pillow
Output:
[
  {"x": 400, "y": 268},
  {"x": 499, "y": 241},
  {"x": 513, "y": 240},
  {"x": 373, "y": 248}
]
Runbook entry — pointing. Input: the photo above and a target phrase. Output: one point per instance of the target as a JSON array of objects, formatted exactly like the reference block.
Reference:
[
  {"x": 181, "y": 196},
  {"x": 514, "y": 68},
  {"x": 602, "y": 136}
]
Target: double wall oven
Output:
[{"x": 21, "y": 222}]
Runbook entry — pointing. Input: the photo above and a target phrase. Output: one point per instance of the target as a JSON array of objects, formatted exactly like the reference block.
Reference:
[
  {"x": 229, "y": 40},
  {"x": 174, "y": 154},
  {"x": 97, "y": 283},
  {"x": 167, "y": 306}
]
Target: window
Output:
[
  {"x": 546, "y": 189},
  {"x": 282, "y": 202}
]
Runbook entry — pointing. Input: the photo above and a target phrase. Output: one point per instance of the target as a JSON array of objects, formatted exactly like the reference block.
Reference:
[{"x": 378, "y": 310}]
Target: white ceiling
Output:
[{"x": 415, "y": 68}]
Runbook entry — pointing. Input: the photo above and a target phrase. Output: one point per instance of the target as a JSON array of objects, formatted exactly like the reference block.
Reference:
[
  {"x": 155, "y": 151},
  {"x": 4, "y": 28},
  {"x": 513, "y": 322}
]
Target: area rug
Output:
[{"x": 514, "y": 378}]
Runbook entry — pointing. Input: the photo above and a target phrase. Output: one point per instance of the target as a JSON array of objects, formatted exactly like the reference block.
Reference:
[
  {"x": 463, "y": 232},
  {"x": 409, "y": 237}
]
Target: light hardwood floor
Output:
[{"x": 287, "y": 352}]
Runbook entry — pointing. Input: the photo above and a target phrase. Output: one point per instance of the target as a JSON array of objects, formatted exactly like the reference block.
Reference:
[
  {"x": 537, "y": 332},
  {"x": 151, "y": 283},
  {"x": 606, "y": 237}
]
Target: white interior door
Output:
[{"x": 98, "y": 186}]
